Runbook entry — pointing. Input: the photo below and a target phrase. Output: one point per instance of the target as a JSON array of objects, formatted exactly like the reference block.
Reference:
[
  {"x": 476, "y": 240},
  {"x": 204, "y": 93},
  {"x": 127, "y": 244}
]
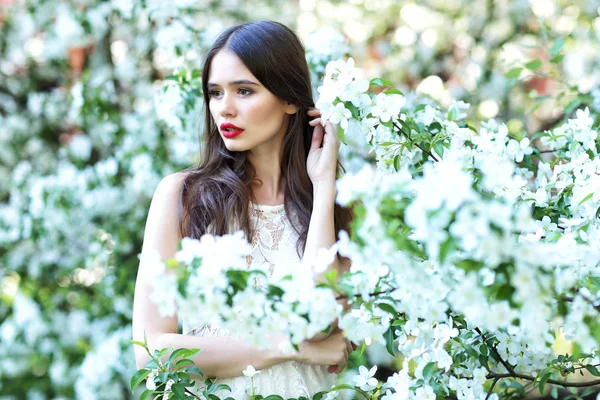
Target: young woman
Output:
[{"x": 268, "y": 167}]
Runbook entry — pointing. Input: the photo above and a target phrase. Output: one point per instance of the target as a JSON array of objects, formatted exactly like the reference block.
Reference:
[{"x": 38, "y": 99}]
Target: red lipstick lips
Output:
[{"x": 230, "y": 130}]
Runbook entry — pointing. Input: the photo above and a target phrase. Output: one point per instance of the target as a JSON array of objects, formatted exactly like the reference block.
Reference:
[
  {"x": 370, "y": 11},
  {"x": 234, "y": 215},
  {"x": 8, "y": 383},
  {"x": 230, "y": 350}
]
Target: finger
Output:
[
  {"x": 331, "y": 128},
  {"x": 317, "y": 138},
  {"x": 314, "y": 112},
  {"x": 331, "y": 135},
  {"x": 349, "y": 346},
  {"x": 315, "y": 122},
  {"x": 341, "y": 366}
]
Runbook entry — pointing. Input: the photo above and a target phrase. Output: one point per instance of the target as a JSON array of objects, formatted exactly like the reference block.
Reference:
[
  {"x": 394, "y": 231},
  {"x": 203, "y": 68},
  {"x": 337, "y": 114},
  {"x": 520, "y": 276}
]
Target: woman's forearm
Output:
[
  {"x": 221, "y": 357},
  {"x": 321, "y": 229}
]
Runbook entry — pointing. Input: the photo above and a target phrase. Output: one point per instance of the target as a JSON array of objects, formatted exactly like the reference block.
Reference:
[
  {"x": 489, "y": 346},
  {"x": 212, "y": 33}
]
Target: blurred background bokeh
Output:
[{"x": 100, "y": 99}]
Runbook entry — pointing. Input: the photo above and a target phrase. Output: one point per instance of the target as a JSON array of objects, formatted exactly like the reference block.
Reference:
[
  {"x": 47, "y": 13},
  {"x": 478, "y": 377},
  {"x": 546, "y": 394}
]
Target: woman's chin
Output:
[{"x": 235, "y": 146}]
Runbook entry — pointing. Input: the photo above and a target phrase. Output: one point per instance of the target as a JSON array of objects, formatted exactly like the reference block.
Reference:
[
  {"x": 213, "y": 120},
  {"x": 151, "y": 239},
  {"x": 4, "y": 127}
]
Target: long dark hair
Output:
[{"x": 217, "y": 192}]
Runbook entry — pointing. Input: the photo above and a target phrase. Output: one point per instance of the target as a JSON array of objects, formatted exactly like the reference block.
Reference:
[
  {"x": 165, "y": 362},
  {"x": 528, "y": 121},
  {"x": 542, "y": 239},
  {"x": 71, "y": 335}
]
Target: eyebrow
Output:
[{"x": 233, "y": 83}]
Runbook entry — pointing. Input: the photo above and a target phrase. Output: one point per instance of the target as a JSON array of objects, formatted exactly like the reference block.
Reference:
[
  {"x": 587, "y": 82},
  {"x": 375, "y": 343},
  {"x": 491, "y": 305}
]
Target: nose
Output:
[{"x": 228, "y": 108}]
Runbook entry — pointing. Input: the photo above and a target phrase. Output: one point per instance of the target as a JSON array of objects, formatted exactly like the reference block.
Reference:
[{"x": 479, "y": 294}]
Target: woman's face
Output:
[{"x": 237, "y": 98}]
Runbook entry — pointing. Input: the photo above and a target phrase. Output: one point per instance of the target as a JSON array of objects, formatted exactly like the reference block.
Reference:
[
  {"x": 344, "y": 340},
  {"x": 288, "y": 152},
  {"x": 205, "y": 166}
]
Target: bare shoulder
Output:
[
  {"x": 162, "y": 225},
  {"x": 171, "y": 185}
]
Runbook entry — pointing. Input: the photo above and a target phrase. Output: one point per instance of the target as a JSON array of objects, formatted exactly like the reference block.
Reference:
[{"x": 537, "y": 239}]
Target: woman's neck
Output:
[{"x": 268, "y": 186}]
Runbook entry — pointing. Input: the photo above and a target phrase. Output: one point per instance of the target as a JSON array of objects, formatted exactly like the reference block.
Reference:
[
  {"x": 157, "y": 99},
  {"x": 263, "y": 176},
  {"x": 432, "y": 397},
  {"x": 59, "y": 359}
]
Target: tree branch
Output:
[
  {"x": 512, "y": 374},
  {"x": 416, "y": 144},
  {"x": 493, "y": 375},
  {"x": 590, "y": 301},
  {"x": 492, "y": 388},
  {"x": 341, "y": 297},
  {"x": 506, "y": 365}
]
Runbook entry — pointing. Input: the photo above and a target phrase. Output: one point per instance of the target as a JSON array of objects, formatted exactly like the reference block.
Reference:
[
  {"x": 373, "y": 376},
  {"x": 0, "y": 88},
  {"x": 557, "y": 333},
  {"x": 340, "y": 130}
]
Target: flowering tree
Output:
[
  {"x": 85, "y": 136},
  {"x": 87, "y": 129},
  {"x": 472, "y": 254},
  {"x": 463, "y": 50}
]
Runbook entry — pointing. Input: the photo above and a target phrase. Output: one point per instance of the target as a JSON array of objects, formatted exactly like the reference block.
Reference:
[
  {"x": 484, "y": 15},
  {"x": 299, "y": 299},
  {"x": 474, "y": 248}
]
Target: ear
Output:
[{"x": 290, "y": 108}]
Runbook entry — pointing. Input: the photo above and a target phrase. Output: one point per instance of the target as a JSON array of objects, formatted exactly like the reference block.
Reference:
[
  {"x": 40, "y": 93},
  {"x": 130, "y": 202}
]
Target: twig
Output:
[
  {"x": 341, "y": 297},
  {"x": 188, "y": 391},
  {"x": 584, "y": 366},
  {"x": 492, "y": 375},
  {"x": 590, "y": 301},
  {"x": 492, "y": 388},
  {"x": 416, "y": 144},
  {"x": 506, "y": 365},
  {"x": 512, "y": 374}
]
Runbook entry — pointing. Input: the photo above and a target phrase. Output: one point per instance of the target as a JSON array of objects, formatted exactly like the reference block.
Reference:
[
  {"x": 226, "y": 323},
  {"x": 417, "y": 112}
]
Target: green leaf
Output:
[
  {"x": 543, "y": 379},
  {"x": 428, "y": 370},
  {"x": 586, "y": 198},
  {"x": 557, "y": 59},
  {"x": 556, "y": 47},
  {"x": 146, "y": 394},
  {"x": 352, "y": 109},
  {"x": 164, "y": 376},
  {"x": 483, "y": 360},
  {"x": 179, "y": 390},
  {"x": 572, "y": 105},
  {"x": 397, "y": 163},
  {"x": 194, "y": 370},
  {"x": 588, "y": 391},
  {"x": 513, "y": 73},
  {"x": 331, "y": 276},
  {"x": 595, "y": 282},
  {"x": 222, "y": 386},
  {"x": 138, "y": 343},
  {"x": 319, "y": 395},
  {"x": 273, "y": 397},
  {"x": 447, "y": 247},
  {"x": 139, "y": 376},
  {"x": 393, "y": 91},
  {"x": 592, "y": 370},
  {"x": 151, "y": 365},
  {"x": 439, "y": 148},
  {"x": 381, "y": 82},
  {"x": 389, "y": 340},
  {"x": 342, "y": 136},
  {"x": 363, "y": 348},
  {"x": 539, "y": 135},
  {"x": 159, "y": 354},
  {"x": 387, "y": 308},
  {"x": 183, "y": 363},
  {"x": 177, "y": 353},
  {"x": 533, "y": 65}
]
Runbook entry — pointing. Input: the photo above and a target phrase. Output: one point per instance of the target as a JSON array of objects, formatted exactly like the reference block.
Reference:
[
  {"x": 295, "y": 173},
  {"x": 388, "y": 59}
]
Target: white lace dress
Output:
[{"x": 273, "y": 242}]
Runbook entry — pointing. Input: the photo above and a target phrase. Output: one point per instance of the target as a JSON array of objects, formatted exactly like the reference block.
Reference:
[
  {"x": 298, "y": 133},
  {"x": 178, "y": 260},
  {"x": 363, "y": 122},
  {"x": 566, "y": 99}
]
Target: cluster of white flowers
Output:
[
  {"x": 323, "y": 45},
  {"x": 478, "y": 235},
  {"x": 252, "y": 312},
  {"x": 57, "y": 258},
  {"x": 81, "y": 155},
  {"x": 342, "y": 88}
]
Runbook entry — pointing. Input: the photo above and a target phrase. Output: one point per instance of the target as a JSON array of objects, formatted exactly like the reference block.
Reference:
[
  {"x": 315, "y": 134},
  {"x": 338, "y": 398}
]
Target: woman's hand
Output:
[
  {"x": 322, "y": 158},
  {"x": 332, "y": 351}
]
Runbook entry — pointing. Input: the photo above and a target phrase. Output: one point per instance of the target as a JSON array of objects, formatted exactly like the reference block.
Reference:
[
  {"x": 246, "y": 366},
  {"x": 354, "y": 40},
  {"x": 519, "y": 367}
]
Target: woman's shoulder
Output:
[{"x": 172, "y": 184}]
